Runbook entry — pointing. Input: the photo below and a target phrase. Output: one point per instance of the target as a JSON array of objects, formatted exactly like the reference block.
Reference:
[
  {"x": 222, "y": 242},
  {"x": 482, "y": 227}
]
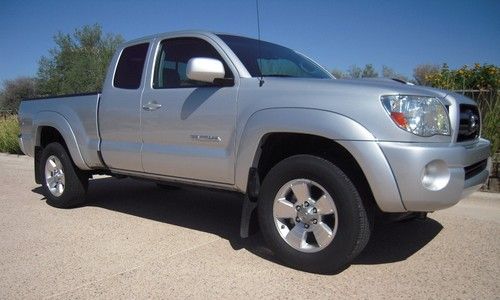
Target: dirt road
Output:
[{"x": 133, "y": 240}]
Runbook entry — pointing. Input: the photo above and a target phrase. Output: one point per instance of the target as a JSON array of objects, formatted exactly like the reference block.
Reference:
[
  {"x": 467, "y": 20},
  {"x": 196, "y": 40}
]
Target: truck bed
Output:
[{"x": 76, "y": 113}]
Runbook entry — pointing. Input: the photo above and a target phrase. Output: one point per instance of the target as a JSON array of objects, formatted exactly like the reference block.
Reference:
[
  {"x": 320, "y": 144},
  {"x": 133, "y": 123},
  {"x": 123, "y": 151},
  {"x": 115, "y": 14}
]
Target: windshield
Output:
[{"x": 272, "y": 60}]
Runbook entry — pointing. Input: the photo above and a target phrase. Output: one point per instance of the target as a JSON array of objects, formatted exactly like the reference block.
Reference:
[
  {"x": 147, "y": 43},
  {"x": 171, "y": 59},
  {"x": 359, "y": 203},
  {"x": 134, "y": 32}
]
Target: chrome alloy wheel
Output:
[
  {"x": 305, "y": 215},
  {"x": 54, "y": 176}
]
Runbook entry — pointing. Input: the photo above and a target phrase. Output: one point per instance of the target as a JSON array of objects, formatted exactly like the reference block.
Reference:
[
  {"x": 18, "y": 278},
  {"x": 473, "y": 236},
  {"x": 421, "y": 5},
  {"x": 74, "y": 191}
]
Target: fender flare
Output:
[
  {"x": 58, "y": 122},
  {"x": 336, "y": 127}
]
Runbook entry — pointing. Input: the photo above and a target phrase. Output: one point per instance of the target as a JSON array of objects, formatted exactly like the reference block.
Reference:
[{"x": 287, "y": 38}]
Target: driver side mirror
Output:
[{"x": 204, "y": 69}]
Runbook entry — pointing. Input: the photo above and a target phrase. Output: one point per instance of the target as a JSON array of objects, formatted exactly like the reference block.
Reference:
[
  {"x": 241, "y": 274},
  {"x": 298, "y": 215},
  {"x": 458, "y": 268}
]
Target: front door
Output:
[{"x": 188, "y": 127}]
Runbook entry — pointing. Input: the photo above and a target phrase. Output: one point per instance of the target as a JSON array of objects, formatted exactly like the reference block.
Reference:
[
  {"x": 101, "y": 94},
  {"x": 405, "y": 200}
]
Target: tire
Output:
[
  {"x": 64, "y": 185},
  {"x": 323, "y": 235}
]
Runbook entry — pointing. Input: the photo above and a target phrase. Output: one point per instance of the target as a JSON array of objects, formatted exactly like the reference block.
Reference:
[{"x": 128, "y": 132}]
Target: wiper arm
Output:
[{"x": 277, "y": 75}]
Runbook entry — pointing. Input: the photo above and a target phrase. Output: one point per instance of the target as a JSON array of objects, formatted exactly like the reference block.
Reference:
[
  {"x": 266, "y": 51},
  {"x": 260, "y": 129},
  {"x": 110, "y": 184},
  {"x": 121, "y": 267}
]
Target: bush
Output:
[
  {"x": 481, "y": 83},
  {"x": 13, "y": 91},
  {"x": 9, "y": 131},
  {"x": 491, "y": 126},
  {"x": 476, "y": 77}
]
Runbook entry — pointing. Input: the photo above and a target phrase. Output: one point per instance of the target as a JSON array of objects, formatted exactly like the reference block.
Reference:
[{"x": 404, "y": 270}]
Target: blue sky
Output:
[{"x": 337, "y": 34}]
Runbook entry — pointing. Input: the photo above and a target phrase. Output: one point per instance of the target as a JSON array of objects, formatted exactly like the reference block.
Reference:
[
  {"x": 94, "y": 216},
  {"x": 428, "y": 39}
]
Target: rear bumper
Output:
[
  {"x": 436, "y": 176},
  {"x": 21, "y": 144},
  {"x": 26, "y": 144}
]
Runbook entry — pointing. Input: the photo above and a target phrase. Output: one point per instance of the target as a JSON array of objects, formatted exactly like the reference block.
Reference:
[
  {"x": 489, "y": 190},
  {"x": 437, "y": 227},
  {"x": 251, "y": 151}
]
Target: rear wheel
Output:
[
  {"x": 311, "y": 215},
  {"x": 64, "y": 185}
]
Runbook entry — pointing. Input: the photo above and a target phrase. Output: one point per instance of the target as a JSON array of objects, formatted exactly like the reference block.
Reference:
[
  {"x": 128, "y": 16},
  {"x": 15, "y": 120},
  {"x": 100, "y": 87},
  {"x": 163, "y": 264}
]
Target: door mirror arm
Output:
[{"x": 223, "y": 82}]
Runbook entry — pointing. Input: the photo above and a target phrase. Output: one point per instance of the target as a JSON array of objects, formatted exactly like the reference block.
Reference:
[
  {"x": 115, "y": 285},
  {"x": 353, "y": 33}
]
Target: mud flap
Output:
[
  {"x": 38, "y": 173},
  {"x": 249, "y": 204},
  {"x": 246, "y": 216}
]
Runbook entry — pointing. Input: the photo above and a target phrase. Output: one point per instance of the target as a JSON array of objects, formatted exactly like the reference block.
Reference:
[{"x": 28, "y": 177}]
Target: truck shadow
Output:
[
  {"x": 393, "y": 242},
  {"x": 219, "y": 213}
]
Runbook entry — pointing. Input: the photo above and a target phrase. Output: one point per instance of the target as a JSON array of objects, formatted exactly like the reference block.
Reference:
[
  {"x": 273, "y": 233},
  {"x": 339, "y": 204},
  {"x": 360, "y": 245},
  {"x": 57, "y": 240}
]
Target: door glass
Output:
[
  {"x": 170, "y": 68},
  {"x": 129, "y": 70}
]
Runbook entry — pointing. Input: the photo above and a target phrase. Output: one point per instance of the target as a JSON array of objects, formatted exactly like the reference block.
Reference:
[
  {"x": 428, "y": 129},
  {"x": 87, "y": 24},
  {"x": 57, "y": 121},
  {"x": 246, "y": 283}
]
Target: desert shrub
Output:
[
  {"x": 481, "y": 83},
  {"x": 9, "y": 131}
]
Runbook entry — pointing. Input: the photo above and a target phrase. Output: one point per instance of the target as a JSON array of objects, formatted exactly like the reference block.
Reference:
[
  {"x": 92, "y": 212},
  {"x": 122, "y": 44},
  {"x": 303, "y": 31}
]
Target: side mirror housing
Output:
[{"x": 204, "y": 69}]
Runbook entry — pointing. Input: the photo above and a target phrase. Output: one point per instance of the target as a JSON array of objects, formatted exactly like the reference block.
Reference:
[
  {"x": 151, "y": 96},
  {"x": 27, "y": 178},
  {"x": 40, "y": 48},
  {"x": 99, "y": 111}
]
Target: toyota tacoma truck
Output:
[{"x": 314, "y": 158}]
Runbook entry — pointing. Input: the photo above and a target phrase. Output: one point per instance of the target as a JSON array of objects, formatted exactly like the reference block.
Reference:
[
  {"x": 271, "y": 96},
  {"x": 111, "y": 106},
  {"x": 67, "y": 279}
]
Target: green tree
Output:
[
  {"x": 369, "y": 72},
  {"x": 422, "y": 72},
  {"x": 354, "y": 72},
  {"x": 390, "y": 73},
  {"x": 78, "y": 63},
  {"x": 338, "y": 73},
  {"x": 13, "y": 91}
]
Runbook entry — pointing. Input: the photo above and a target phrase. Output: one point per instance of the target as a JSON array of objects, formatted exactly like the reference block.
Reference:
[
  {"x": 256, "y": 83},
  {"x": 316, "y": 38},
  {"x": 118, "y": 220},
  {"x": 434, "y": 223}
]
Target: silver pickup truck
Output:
[{"x": 314, "y": 158}]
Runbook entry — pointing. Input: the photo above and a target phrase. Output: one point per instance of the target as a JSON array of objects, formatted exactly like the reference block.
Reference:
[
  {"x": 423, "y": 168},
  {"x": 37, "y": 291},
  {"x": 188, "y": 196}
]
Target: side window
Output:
[
  {"x": 171, "y": 63},
  {"x": 129, "y": 70}
]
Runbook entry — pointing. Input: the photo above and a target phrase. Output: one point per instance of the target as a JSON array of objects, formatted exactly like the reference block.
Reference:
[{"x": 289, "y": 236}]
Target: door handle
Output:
[{"x": 151, "y": 105}]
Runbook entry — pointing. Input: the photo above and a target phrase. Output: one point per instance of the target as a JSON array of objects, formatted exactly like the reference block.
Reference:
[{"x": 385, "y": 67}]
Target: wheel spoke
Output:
[
  {"x": 60, "y": 188},
  {"x": 51, "y": 165},
  {"x": 301, "y": 191},
  {"x": 51, "y": 181},
  {"x": 324, "y": 205},
  {"x": 303, "y": 209},
  {"x": 322, "y": 233},
  {"x": 296, "y": 237},
  {"x": 283, "y": 209}
]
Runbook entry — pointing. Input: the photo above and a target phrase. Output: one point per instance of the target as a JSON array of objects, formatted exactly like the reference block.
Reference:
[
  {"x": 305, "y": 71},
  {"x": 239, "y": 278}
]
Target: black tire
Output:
[
  {"x": 353, "y": 227},
  {"x": 75, "y": 181}
]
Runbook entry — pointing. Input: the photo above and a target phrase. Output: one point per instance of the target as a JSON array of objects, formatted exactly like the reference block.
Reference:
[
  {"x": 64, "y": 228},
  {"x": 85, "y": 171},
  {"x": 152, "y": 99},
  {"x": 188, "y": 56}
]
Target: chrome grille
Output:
[
  {"x": 470, "y": 123},
  {"x": 473, "y": 170}
]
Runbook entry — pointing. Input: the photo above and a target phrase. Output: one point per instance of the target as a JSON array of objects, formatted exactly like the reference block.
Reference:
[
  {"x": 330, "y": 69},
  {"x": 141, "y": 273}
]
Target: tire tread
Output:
[
  {"x": 319, "y": 262},
  {"x": 76, "y": 182}
]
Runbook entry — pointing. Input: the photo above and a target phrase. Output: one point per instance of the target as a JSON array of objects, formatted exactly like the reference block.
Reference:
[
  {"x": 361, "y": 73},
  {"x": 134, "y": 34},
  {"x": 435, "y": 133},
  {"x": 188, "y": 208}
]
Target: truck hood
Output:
[
  {"x": 374, "y": 85},
  {"x": 358, "y": 100}
]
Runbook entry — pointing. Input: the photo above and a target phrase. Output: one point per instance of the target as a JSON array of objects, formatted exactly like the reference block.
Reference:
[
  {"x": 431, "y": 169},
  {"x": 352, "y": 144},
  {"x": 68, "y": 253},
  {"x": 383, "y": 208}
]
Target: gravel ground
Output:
[{"x": 133, "y": 240}]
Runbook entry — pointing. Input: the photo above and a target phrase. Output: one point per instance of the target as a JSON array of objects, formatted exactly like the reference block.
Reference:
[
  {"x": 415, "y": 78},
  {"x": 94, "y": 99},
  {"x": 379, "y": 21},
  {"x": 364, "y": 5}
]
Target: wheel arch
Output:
[
  {"x": 329, "y": 135},
  {"x": 53, "y": 127},
  {"x": 269, "y": 123}
]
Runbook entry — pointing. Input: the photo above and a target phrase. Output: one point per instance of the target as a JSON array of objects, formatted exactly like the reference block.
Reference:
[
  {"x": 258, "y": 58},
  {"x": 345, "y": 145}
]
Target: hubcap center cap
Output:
[{"x": 307, "y": 215}]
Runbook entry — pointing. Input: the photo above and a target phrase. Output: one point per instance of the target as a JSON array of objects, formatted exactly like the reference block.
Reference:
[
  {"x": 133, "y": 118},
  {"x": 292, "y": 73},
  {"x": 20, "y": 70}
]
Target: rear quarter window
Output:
[{"x": 130, "y": 66}]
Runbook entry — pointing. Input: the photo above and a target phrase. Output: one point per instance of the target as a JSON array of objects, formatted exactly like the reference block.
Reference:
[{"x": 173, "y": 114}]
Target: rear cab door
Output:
[{"x": 119, "y": 109}]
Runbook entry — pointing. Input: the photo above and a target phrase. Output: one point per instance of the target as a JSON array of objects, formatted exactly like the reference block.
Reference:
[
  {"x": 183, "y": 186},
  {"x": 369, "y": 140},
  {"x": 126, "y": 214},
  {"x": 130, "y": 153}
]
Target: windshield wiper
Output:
[{"x": 278, "y": 75}]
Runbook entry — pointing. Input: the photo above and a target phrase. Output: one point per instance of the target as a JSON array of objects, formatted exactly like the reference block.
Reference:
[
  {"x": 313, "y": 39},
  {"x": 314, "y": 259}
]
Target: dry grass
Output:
[{"x": 9, "y": 131}]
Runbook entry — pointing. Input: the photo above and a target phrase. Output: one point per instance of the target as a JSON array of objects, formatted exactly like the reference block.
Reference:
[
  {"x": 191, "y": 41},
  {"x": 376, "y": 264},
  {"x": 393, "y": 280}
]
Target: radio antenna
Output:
[{"x": 261, "y": 79}]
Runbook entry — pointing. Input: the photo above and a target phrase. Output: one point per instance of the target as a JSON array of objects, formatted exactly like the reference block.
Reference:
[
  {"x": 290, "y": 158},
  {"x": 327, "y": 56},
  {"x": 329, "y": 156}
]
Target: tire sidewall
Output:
[
  {"x": 339, "y": 252},
  {"x": 75, "y": 184}
]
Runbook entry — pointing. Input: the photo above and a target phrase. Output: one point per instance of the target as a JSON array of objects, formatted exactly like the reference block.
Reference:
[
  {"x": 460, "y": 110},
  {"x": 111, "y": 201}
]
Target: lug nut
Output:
[
  {"x": 298, "y": 220},
  {"x": 306, "y": 226},
  {"x": 306, "y": 204},
  {"x": 315, "y": 221},
  {"x": 297, "y": 207},
  {"x": 315, "y": 210}
]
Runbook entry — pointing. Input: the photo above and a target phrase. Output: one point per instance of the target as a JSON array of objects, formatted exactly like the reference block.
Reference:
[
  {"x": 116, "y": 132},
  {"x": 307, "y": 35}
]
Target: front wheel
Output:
[
  {"x": 64, "y": 185},
  {"x": 311, "y": 215}
]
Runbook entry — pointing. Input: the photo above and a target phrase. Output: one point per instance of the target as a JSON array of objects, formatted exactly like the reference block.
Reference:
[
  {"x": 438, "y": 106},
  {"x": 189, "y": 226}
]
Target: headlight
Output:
[{"x": 423, "y": 116}]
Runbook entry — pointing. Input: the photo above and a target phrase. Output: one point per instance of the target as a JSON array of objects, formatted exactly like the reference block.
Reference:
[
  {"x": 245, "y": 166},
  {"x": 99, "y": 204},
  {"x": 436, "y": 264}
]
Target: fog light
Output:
[{"x": 436, "y": 175}]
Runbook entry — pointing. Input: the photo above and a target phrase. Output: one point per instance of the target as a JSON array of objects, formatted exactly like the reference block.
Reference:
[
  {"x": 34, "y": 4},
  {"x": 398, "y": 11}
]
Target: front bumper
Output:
[{"x": 436, "y": 176}]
